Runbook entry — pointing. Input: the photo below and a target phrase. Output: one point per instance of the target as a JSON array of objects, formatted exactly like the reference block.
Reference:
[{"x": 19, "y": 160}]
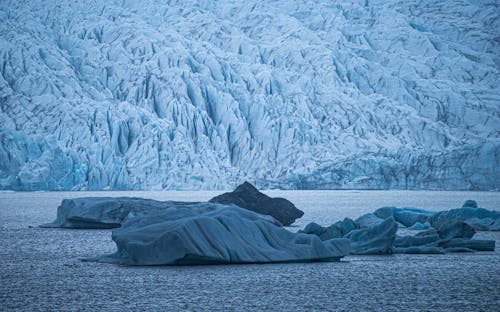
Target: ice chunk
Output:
[
  {"x": 369, "y": 220},
  {"x": 419, "y": 250},
  {"x": 472, "y": 244},
  {"x": 418, "y": 226},
  {"x": 406, "y": 216},
  {"x": 210, "y": 233},
  {"x": 248, "y": 197},
  {"x": 377, "y": 239},
  {"x": 336, "y": 230},
  {"x": 422, "y": 238},
  {"x": 104, "y": 212},
  {"x": 453, "y": 236},
  {"x": 454, "y": 229},
  {"x": 479, "y": 218}
]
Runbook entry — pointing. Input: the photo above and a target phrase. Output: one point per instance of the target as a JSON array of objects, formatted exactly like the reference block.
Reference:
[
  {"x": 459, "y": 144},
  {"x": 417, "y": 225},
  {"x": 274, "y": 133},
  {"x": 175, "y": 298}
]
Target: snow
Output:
[
  {"x": 289, "y": 94},
  {"x": 209, "y": 233}
]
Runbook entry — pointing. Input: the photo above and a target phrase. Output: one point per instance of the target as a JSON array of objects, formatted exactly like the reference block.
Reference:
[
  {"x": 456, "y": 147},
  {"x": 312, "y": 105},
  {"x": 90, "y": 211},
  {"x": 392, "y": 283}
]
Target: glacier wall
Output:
[{"x": 290, "y": 94}]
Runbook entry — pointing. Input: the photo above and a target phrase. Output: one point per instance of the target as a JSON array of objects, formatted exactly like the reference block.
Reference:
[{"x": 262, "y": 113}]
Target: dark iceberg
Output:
[{"x": 248, "y": 197}]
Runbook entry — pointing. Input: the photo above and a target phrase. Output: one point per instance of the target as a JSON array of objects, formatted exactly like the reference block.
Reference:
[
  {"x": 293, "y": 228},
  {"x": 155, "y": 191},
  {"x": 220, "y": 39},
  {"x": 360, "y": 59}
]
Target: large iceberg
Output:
[
  {"x": 248, "y": 197},
  {"x": 312, "y": 94},
  {"x": 209, "y": 233}
]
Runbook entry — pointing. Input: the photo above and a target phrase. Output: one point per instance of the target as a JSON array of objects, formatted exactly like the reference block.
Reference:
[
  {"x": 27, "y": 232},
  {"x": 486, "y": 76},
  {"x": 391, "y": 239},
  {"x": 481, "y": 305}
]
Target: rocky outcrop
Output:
[{"x": 248, "y": 197}]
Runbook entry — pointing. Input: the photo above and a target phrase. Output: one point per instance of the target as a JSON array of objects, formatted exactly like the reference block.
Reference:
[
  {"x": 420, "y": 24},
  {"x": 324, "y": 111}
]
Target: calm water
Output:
[{"x": 40, "y": 268}]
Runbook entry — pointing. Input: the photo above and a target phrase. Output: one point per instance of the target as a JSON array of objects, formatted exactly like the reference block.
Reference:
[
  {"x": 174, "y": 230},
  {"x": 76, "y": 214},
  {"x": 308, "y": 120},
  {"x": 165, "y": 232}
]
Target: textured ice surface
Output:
[
  {"x": 104, "y": 212},
  {"x": 41, "y": 270},
  {"x": 377, "y": 239},
  {"x": 444, "y": 231},
  {"x": 479, "y": 218},
  {"x": 209, "y": 233},
  {"x": 248, "y": 197},
  {"x": 109, "y": 212},
  {"x": 204, "y": 94}
]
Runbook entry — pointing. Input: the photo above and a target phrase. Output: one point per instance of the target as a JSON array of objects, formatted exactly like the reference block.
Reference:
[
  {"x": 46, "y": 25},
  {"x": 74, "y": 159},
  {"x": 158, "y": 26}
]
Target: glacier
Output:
[
  {"x": 210, "y": 233},
  {"x": 290, "y": 94}
]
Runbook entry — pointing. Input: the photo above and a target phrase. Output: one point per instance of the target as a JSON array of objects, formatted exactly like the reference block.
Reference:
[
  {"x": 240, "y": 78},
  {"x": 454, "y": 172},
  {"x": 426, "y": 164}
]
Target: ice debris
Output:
[
  {"x": 439, "y": 232},
  {"x": 248, "y": 197},
  {"x": 210, "y": 233}
]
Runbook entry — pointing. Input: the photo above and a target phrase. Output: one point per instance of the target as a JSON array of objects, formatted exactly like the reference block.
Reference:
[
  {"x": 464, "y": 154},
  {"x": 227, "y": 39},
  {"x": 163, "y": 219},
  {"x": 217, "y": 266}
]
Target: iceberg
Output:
[
  {"x": 450, "y": 236},
  {"x": 104, "y": 212},
  {"x": 248, "y": 197},
  {"x": 479, "y": 218},
  {"x": 407, "y": 216},
  {"x": 109, "y": 212},
  {"x": 210, "y": 233},
  {"x": 438, "y": 232},
  {"x": 377, "y": 238},
  {"x": 419, "y": 219}
]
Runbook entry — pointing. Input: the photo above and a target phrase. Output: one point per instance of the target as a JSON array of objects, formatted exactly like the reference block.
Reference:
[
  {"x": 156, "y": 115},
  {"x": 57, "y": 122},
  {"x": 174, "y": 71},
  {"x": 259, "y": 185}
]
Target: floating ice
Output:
[
  {"x": 445, "y": 231},
  {"x": 376, "y": 238},
  {"x": 209, "y": 233},
  {"x": 479, "y": 218},
  {"x": 104, "y": 212}
]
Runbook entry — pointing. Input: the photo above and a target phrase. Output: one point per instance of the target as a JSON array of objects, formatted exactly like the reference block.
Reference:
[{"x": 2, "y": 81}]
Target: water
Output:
[{"x": 40, "y": 268}]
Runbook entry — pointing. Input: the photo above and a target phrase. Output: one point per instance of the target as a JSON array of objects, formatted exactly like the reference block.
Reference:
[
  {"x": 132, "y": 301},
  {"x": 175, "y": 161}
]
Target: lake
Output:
[{"x": 40, "y": 268}]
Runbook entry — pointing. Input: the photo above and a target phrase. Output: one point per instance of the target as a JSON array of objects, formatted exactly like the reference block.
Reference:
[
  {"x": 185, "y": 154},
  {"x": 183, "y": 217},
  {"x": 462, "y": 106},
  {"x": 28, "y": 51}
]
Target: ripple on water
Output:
[{"x": 40, "y": 270}]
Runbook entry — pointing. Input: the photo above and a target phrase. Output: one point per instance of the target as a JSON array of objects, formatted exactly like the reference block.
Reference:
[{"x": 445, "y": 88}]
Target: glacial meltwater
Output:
[{"x": 40, "y": 269}]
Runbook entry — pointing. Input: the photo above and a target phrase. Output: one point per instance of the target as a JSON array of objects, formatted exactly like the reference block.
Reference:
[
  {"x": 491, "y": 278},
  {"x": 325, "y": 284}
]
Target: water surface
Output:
[{"x": 40, "y": 268}]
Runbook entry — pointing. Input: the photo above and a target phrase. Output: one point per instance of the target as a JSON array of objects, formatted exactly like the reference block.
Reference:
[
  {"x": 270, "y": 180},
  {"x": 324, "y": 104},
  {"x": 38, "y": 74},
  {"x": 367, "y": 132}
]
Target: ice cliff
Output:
[{"x": 290, "y": 94}]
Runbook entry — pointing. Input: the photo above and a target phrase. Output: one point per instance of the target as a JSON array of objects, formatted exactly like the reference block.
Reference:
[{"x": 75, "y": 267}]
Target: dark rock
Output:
[
  {"x": 470, "y": 204},
  {"x": 248, "y": 197}
]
